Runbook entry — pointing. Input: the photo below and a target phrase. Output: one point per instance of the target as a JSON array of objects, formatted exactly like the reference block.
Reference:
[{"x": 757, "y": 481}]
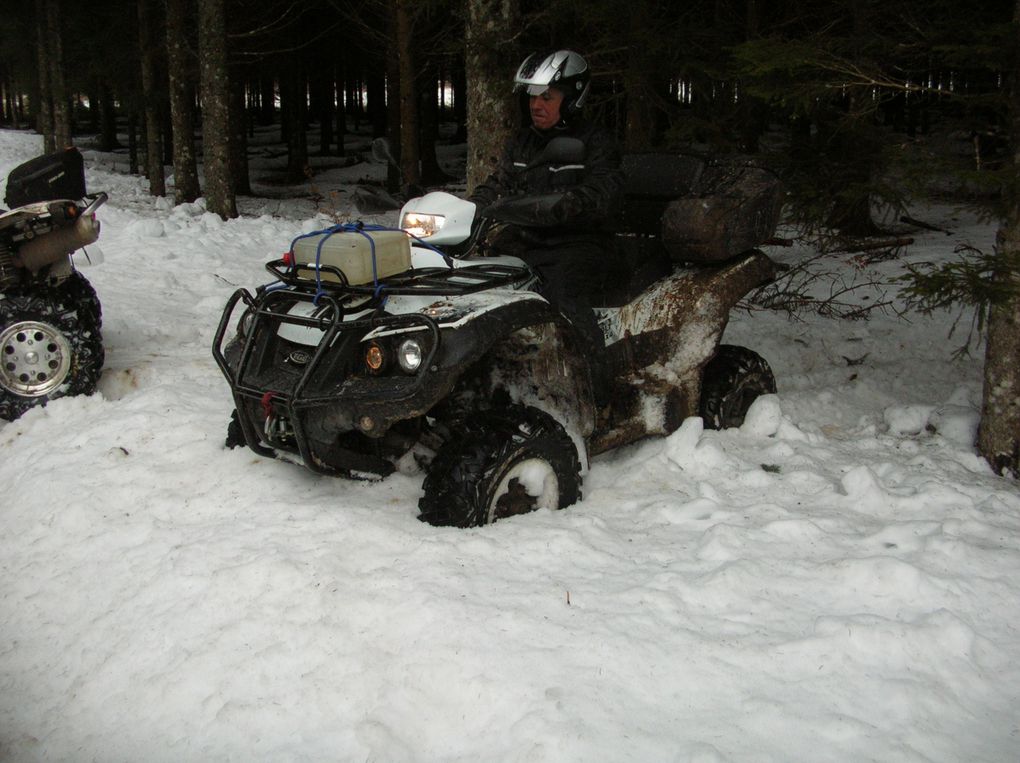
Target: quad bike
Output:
[
  {"x": 50, "y": 317},
  {"x": 375, "y": 350}
]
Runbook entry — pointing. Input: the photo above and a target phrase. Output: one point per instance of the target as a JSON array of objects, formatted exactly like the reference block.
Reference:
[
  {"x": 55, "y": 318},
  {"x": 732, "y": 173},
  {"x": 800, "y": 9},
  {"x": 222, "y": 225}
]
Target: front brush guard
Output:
[{"x": 331, "y": 323}]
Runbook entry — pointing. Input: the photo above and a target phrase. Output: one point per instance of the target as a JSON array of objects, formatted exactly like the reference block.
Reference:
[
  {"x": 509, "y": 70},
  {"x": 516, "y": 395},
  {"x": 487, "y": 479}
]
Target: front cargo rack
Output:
[{"x": 424, "y": 281}]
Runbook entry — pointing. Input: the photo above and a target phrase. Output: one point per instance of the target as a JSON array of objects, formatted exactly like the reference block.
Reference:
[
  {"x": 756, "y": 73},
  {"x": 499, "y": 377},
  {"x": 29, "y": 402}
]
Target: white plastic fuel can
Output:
[{"x": 351, "y": 252}]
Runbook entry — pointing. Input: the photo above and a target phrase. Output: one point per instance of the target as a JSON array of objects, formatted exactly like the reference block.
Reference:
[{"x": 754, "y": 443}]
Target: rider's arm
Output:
[
  {"x": 598, "y": 196},
  {"x": 590, "y": 202}
]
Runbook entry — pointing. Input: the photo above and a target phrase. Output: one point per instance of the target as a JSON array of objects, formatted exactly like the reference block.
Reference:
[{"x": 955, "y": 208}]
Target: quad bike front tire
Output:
[
  {"x": 504, "y": 462},
  {"x": 733, "y": 379},
  {"x": 50, "y": 344}
]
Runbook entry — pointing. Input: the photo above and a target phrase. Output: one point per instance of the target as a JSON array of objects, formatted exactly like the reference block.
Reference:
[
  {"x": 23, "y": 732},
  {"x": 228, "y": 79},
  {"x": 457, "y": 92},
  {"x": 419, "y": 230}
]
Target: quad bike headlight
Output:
[
  {"x": 375, "y": 358},
  {"x": 410, "y": 355},
  {"x": 422, "y": 225}
]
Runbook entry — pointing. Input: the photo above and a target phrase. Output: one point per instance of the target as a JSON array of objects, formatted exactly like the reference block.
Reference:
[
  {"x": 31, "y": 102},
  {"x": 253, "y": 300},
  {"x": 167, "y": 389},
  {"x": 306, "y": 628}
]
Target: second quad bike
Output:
[
  {"x": 50, "y": 316},
  {"x": 374, "y": 350}
]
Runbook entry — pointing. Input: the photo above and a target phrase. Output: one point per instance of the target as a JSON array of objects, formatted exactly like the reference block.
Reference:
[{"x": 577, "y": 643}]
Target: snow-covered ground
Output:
[{"x": 839, "y": 579}]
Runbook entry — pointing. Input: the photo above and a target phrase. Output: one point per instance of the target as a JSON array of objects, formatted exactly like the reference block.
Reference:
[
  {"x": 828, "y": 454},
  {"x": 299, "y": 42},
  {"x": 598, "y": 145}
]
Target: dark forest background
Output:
[
  {"x": 858, "y": 105},
  {"x": 835, "y": 94}
]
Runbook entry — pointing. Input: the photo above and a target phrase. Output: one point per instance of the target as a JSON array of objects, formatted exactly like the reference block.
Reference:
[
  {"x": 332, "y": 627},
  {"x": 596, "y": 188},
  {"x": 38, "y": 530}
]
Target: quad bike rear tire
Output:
[
  {"x": 505, "y": 462},
  {"x": 733, "y": 379},
  {"x": 50, "y": 344}
]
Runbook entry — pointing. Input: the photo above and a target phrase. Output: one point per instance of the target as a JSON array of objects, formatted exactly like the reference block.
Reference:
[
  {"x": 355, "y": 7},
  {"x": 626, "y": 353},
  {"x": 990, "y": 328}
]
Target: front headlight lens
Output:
[
  {"x": 375, "y": 358},
  {"x": 422, "y": 225},
  {"x": 410, "y": 355}
]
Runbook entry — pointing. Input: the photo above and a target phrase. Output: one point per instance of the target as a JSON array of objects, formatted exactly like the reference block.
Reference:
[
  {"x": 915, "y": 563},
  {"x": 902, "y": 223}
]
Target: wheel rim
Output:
[
  {"x": 528, "y": 485},
  {"x": 34, "y": 358}
]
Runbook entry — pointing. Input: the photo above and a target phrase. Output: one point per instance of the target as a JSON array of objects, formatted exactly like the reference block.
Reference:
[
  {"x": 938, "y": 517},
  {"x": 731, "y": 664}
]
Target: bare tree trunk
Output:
[
  {"x": 133, "y": 142},
  {"x": 639, "y": 132},
  {"x": 491, "y": 111},
  {"x": 392, "y": 108},
  {"x": 431, "y": 172},
  {"x": 43, "y": 55},
  {"x": 182, "y": 102},
  {"x": 376, "y": 85},
  {"x": 410, "y": 168},
  {"x": 153, "y": 139},
  {"x": 107, "y": 120},
  {"x": 212, "y": 52},
  {"x": 58, "y": 88},
  {"x": 239, "y": 137},
  {"x": 293, "y": 110},
  {"x": 341, "y": 108},
  {"x": 999, "y": 433}
]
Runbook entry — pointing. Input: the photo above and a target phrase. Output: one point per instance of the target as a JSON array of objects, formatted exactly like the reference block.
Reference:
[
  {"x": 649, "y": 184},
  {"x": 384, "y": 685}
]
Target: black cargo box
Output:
[{"x": 53, "y": 176}]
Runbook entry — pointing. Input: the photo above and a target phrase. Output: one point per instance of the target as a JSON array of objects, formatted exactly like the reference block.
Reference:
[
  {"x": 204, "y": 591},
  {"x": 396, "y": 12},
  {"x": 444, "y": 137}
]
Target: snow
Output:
[{"x": 838, "y": 579}]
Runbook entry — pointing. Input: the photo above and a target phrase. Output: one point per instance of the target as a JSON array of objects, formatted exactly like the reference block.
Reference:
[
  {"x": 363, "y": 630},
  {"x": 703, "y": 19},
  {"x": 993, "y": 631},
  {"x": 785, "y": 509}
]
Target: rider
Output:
[{"x": 559, "y": 211}]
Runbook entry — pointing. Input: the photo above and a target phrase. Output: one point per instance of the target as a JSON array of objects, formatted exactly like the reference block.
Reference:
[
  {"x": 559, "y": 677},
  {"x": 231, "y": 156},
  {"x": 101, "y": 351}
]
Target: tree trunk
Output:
[
  {"x": 392, "y": 108},
  {"x": 410, "y": 168},
  {"x": 44, "y": 112},
  {"x": 999, "y": 432},
  {"x": 492, "y": 116},
  {"x": 267, "y": 99},
  {"x": 239, "y": 137},
  {"x": 212, "y": 52},
  {"x": 132, "y": 127},
  {"x": 341, "y": 108},
  {"x": 153, "y": 140},
  {"x": 458, "y": 84},
  {"x": 107, "y": 120},
  {"x": 94, "y": 106},
  {"x": 293, "y": 107},
  {"x": 431, "y": 172},
  {"x": 58, "y": 87},
  {"x": 638, "y": 77},
  {"x": 182, "y": 103},
  {"x": 324, "y": 87}
]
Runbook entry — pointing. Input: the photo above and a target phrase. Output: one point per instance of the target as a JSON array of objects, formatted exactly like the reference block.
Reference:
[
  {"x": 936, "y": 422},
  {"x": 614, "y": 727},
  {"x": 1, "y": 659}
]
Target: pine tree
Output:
[
  {"x": 492, "y": 29},
  {"x": 212, "y": 46},
  {"x": 180, "y": 65}
]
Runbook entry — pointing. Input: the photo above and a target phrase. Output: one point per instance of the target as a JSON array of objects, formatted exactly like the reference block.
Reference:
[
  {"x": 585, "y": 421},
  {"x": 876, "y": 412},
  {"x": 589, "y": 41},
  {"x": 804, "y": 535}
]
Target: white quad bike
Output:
[
  {"x": 50, "y": 317},
  {"x": 375, "y": 350}
]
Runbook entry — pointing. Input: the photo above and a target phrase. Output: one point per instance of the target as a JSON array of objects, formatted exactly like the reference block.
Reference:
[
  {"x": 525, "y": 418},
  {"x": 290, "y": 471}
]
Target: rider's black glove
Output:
[{"x": 540, "y": 210}]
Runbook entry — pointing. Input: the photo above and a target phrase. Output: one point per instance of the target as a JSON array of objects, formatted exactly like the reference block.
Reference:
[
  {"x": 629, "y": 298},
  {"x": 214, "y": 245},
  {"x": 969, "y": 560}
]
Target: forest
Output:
[{"x": 858, "y": 105}]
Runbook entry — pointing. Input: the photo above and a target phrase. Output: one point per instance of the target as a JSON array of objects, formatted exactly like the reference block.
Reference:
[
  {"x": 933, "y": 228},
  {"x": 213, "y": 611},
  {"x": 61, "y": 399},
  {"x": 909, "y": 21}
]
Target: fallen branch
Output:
[
  {"x": 921, "y": 224},
  {"x": 870, "y": 246}
]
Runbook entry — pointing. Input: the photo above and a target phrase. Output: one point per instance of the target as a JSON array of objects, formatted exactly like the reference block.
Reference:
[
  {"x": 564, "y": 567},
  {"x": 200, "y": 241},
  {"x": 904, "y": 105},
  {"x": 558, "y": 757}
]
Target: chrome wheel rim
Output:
[{"x": 34, "y": 358}]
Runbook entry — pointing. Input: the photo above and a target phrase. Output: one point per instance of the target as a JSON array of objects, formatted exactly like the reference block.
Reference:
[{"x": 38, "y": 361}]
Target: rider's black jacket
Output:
[{"x": 553, "y": 203}]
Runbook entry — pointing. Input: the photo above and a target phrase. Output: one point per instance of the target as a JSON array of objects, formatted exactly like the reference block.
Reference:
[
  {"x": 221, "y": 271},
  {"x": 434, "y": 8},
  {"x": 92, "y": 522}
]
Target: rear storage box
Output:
[
  {"x": 351, "y": 253},
  {"x": 734, "y": 208},
  {"x": 54, "y": 176}
]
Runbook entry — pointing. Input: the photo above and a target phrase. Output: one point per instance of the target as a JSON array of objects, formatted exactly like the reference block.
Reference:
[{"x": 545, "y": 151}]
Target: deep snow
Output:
[{"x": 839, "y": 579}]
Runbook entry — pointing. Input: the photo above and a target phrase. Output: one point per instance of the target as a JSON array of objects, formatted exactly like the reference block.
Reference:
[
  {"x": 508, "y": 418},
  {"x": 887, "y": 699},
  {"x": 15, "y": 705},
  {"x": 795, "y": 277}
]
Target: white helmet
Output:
[{"x": 565, "y": 70}]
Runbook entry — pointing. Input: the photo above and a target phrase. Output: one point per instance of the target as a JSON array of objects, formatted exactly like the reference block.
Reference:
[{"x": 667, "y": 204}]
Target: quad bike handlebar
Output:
[{"x": 98, "y": 200}]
